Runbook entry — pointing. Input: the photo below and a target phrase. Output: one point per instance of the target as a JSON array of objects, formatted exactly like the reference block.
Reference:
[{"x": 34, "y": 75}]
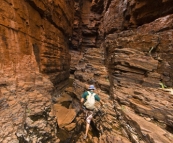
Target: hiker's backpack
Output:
[{"x": 89, "y": 104}]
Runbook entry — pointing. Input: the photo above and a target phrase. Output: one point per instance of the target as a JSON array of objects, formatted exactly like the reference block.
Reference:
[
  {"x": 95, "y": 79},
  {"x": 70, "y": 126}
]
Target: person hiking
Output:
[{"x": 88, "y": 100}]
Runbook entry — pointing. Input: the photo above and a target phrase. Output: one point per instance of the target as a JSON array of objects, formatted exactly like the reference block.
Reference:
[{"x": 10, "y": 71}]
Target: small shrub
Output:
[{"x": 162, "y": 85}]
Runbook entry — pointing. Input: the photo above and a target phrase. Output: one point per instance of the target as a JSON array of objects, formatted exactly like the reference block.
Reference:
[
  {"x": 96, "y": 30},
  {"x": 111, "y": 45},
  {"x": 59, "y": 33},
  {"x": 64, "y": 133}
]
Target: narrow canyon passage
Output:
[{"x": 52, "y": 50}]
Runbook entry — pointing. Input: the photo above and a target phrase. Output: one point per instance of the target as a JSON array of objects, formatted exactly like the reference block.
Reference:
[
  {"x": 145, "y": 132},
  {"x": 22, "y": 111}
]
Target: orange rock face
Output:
[
  {"x": 34, "y": 58},
  {"x": 153, "y": 41},
  {"x": 136, "y": 59},
  {"x": 124, "y": 48}
]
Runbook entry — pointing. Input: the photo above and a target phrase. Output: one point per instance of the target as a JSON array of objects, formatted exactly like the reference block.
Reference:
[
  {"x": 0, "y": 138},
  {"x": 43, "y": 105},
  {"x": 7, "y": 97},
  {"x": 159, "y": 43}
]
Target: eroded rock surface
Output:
[
  {"x": 124, "y": 48},
  {"x": 34, "y": 61},
  {"x": 134, "y": 62}
]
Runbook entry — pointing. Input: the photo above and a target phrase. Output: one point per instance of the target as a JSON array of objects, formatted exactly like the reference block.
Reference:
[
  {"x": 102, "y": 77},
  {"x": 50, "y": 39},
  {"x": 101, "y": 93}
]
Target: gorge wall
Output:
[
  {"x": 128, "y": 57},
  {"x": 140, "y": 25},
  {"x": 150, "y": 30},
  {"x": 34, "y": 62},
  {"x": 123, "y": 47},
  {"x": 139, "y": 57}
]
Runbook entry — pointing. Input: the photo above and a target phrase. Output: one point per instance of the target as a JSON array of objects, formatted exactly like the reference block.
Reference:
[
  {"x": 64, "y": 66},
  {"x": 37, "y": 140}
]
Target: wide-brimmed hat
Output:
[{"x": 91, "y": 87}]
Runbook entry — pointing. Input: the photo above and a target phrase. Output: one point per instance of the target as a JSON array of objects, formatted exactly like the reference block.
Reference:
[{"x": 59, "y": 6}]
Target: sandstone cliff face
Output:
[
  {"x": 154, "y": 40},
  {"x": 34, "y": 60},
  {"x": 139, "y": 57},
  {"x": 85, "y": 28},
  {"x": 128, "y": 66},
  {"x": 122, "y": 47}
]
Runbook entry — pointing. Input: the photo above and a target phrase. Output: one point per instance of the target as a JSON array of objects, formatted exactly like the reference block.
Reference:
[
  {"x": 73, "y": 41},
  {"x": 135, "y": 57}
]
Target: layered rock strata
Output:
[
  {"x": 105, "y": 126},
  {"x": 129, "y": 114},
  {"x": 153, "y": 40},
  {"x": 34, "y": 60},
  {"x": 152, "y": 57},
  {"x": 137, "y": 53},
  {"x": 85, "y": 29},
  {"x": 139, "y": 63},
  {"x": 124, "y": 48}
]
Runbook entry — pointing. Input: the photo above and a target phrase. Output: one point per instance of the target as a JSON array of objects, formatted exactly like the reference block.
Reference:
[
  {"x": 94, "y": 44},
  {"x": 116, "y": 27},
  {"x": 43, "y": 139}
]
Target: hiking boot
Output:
[{"x": 84, "y": 137}]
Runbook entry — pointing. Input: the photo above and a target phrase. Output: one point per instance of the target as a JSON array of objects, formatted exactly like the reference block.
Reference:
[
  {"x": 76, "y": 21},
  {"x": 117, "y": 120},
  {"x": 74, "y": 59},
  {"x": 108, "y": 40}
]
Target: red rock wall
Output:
[
  {"x": 137, "y": 51},
  {"x": 34, "y": 58},
  {"x": 86, "y": 34},
  {"x": 128, "y": 14},
  {"x": 133, "y": 38},
  {"x": 124, "y": 21},
  {"x": 145, "y": 11},
  {"x": 140, "y": 54}
]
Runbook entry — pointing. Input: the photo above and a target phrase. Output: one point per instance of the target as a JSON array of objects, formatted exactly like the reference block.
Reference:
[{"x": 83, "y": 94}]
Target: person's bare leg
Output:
[
  {"x": 88, "y": 120},
  {"x": 87, "y": 128}
]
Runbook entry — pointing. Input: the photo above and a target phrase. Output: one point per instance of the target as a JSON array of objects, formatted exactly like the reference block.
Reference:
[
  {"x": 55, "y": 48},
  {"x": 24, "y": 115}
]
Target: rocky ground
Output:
[
  {"x": 124, "y": 48},
  {"x": 130, "y": 114}
]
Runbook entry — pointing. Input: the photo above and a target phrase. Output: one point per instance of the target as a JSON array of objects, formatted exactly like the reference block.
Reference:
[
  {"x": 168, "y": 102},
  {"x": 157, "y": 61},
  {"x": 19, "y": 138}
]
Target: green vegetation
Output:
[{"x": 162, "y": 85}]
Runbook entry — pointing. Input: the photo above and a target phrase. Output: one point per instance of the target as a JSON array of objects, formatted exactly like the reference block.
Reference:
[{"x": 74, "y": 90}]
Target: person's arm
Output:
[
  {"x": 82, "y": 100},
  {"x": 98, "y": 99}
]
